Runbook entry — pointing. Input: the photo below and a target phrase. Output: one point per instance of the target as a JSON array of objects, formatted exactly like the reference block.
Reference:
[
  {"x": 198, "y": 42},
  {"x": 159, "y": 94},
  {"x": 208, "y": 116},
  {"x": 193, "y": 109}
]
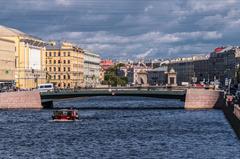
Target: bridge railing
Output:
[{"x": 110, "y": 89}]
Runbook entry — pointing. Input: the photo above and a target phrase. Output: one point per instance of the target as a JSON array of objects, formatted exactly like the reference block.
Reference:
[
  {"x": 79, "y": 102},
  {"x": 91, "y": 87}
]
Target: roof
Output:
[
  {"x": 87, "y": 52},
  {"x": 62, "y": 46},
  {"x": 159, "y": 69},
  {"x": 5, "y": 31},
  {"x": 11, "y": 32}
]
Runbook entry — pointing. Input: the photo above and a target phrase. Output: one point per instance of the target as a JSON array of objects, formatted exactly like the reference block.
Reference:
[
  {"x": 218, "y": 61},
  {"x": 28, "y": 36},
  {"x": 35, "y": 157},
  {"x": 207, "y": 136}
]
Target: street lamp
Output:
[{"x": 36, "y": 76}]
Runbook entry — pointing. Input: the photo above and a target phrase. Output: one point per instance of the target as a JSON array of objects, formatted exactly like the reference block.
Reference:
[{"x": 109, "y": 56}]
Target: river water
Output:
[{"x": 119, "y": 127}]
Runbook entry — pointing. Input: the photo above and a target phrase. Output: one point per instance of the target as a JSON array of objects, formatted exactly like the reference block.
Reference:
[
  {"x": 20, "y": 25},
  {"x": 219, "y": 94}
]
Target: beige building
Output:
[
  {"x": 64, "y": 62},
  {"x": 28, "y": 59},
  {"x": 7, "y": 62}
]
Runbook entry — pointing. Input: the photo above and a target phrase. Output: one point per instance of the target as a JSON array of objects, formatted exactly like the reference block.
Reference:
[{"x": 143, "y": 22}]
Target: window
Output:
[
  {"x": 59, "y": 77},
  {"x": 64, "y": 69},
  {"x": 69, "y": 61},
  {"x": 64, "y": 61},
  {"x": 59, "y": 84},
  {"x": 54, "y": 77},
  {"x": 54, "y": 61},
  {"x": 64, "y": 84},
  {"x": 64, "y": 76},
  {"x": 68, "y": 84},
  {"x": 46, "y": 54},
  {"x": 54, "y": 69},
  {"x": 54, "y": 54},
  {"x": 50, "y": 61},
  {"x": 64, "y": 53},
  {"x": 50, "y": 54},
  {"x": 69, "y": 69},
  {"x": 59, "y": 69},
  {"x": 59, "y": 54},
  {"x": 68, "y": 76},
  {"x": 50, "y": 69},
  {"x": 59, "y": 61},
  {"x": 68, "y": 53},
  {"x": 46, "y": 61}
]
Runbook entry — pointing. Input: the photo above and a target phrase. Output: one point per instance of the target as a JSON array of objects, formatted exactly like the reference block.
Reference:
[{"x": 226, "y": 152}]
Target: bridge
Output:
[
  {"x": 162, "y": 93},
  {"x": 48, "y": 97},
  {"x": 194, "y": 98}
]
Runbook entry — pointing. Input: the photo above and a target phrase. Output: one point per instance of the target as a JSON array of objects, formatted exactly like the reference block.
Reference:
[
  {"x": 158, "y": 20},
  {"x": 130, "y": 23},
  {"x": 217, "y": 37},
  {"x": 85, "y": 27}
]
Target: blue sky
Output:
[{"x": 129, "y": 28}]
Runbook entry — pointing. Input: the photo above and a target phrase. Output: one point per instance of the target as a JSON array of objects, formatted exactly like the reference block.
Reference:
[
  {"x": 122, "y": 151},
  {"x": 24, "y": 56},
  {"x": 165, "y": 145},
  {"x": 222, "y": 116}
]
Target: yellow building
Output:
[
  {"x": 64, "y": 63},
  {"x": 7, "y": 62},
  {"x": 29, "y": 58}
]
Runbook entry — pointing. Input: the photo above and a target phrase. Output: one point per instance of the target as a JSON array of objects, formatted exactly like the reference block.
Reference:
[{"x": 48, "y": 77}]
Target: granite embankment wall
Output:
[
  {"x": 232, "y": 113},
  {"x": 20, "y": 100},
  {"x": 204, "y": 99},
  {"x": 208, "y": 99}
]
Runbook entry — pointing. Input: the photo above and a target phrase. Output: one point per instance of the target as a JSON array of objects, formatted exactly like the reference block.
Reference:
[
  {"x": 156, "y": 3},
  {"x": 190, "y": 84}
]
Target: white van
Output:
[{"x": 47, "y": 87}]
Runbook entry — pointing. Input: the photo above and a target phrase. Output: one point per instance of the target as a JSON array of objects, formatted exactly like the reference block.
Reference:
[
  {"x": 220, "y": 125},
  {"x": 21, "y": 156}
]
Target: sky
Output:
[{"x": 129, "y": 29}]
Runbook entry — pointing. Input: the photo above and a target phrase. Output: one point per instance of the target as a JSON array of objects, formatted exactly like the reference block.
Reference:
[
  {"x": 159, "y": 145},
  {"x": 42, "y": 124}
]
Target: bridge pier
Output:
[
  {"x": 20, "y": 100},
  {"x": 204, "y": 99}
]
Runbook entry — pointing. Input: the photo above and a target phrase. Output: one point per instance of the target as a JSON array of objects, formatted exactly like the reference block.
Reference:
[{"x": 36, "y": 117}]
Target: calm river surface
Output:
[{"x": 118, "y": 133}]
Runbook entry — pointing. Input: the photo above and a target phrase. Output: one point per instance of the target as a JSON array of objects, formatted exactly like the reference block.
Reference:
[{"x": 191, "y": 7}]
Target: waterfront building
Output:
[
  {"x": 7, "y": 63},
  {"x": 29, "y": 57},
  {"x": 157, "y": 76},
  {"x": 172, "y": 78},
  {"x": 189, "y": 70},
  {"x": 65, "y": 65},
  {"x": 137, "y": 74},
  {"x": 223, "y": 64},
  {"x": 91, "y": 69},
  {"x": 106, "y": 64}
]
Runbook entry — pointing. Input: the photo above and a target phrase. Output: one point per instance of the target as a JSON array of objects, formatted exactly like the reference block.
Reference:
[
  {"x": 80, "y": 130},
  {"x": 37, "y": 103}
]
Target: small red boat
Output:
[{"x": 65, "y": 115}]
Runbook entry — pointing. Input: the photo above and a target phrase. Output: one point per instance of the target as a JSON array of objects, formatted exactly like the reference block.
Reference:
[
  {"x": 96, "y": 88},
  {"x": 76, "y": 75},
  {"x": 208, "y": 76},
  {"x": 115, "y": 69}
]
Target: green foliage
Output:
[{"x": 112, "y": 79}]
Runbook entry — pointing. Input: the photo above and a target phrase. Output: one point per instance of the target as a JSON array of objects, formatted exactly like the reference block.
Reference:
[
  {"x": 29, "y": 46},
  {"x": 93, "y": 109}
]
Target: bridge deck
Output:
[{"x": 169, "y": 94}]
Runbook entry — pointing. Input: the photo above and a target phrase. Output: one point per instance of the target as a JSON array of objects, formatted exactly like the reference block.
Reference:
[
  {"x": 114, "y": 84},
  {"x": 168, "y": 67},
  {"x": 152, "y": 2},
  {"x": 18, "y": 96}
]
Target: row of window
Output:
[
  {"x": 64, "y": 85},
  {"x": 59, "y": 77},
  {"x": 57, "y": 54},
  {"x": 59, "y": 61},
  {"x": 50, "y": 69}
]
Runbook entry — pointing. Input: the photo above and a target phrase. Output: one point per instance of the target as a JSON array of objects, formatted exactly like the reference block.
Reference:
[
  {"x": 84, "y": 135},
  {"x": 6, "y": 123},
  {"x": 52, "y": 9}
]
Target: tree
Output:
[{"x": 112, "y": 79}]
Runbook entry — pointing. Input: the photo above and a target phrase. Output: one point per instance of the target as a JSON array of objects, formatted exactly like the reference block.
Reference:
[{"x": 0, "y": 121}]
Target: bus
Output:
[{"x": 47, "y": 87}]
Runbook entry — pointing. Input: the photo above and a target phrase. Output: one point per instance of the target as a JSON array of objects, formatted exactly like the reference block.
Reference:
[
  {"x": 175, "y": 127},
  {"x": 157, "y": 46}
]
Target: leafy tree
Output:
[{"x": 111, "y": 77}]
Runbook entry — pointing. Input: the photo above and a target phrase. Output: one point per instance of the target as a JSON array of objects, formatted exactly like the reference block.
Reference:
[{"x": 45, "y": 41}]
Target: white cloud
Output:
[
  {"x": 148, "y": 8},
  {"x": 199, "y": 35},
  {"x": 63, "y": 2},
  {"x": 210, "y": 5}
]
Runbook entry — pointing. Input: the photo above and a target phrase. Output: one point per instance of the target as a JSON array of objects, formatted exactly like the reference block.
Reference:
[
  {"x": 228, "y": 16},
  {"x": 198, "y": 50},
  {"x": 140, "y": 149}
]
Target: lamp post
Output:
[{"x": 36, "y": 76}]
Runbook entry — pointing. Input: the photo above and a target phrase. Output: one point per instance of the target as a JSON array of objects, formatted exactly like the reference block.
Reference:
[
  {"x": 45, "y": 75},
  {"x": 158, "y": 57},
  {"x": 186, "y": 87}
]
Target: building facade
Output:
[
  {"x": 29, "y": 58},
  {"x": 189, "y": 70},
  {"x": 157, "y": 76},
  {"x": 7, "y": 63},
  {"x": 137, "y": 74},
  {"x": 91, "y": 69},
  {"x": 223, "y": 64},
  {"x": 65, "y": 65}
]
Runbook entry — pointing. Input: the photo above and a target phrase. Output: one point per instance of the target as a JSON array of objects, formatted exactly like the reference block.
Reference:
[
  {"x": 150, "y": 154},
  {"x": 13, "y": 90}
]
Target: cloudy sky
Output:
[{"x": 129, "y": 28}]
